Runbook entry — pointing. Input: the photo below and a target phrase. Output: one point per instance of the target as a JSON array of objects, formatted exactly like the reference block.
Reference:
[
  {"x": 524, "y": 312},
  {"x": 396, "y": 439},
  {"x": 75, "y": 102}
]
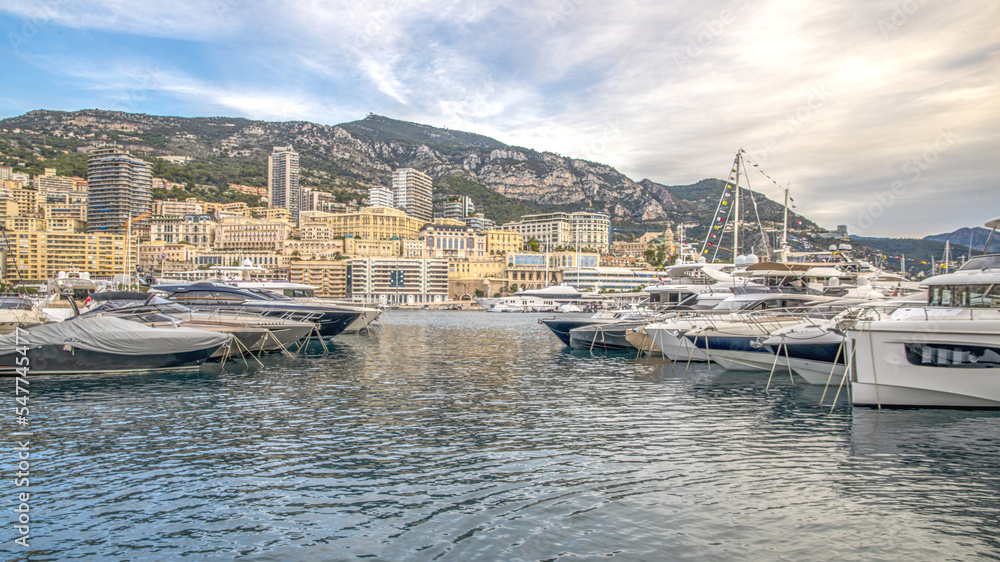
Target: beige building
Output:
[
  {"x": 329, "y": 277},
  {"x": 41, "y": 255},
  {"x": 275, "y": 265},
  {"x": 175, "y": 208},
  {"x": 501, "y": 242},
  {"x": 361, "y": 248},
  {"x": 370, "y": 223},
  {"x": 196, "y": 231},
  {"x": 580, "y": 229},
  {"x": 164, "y": 256},
  {"x": 313, "y": 249},
  {"x": 271, "y": 213},
  {"x": 251, "y": 234},
  {"x": 27, "y": 200},
  {"x": 452, "y": 241}
]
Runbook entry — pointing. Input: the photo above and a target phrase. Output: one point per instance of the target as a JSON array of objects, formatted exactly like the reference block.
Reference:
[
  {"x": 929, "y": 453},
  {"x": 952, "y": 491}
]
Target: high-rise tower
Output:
[
  {"x": 119, "y": 185},
  {"x": 283, "y": 181},
  {"x": 411, "y": 192}
]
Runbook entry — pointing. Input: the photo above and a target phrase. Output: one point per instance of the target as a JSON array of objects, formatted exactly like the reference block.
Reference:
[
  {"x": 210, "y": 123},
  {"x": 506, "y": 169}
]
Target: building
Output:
[
  {"x": 458, "y": 208},
  {"x": 40, "y": 255},
  {"x": 328, "y": 276},
  {"x": 240, "y": 233},
  {"x": 453, "y": 241},
  {"x": 412, "y": 193},
  {"x": 362, "y": 248},
  {"x": 370, "y": 223},
  {"x": 617, "y": 279},
  {"x": 479, "y": 222},
  {"x": 380, "y": 197},
  {"x": 581, "y": 229},
  {"x": 275, "y": 265},
  {"x": 283, "y": 181},
  {"x": 120, "y": 187},
  {"x": 501, "y": 242},
  {"x": 195, "y": 230},
  {"x": 175, "y": 208},
  {"x": 397, "y": 280},
  {"x": 270, "y": 213},
  {"x": 313, "y": 249}
]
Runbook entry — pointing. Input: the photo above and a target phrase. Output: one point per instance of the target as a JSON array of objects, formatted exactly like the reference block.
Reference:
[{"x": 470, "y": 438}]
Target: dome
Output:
[
  {"x": 247, "y": 263},
  {"x": 833, "y": 247},
  {"x": 740, "y": 261},
  {"x": 846, "y": 247},
  {"x": 752, "y": 259}
]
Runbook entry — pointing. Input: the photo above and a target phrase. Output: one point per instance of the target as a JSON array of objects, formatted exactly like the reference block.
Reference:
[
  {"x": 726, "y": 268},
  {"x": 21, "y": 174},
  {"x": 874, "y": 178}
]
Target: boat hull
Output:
[
  {"x": 944, "y": 364},
  {"x": 562, "y": 326},
  {"x": 606, "y": 337},
  {"x": 53, "y": 360}
]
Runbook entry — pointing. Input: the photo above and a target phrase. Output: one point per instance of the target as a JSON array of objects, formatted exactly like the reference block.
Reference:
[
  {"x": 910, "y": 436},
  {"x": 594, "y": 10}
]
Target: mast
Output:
[
  {"x": 784, "y": 227},
  {"x": 947, "y": 255},
  {"x": 736, "y": 208}
]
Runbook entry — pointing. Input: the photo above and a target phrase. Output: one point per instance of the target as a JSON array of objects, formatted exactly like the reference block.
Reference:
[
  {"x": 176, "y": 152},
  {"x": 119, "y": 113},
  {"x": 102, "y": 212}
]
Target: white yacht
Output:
[
  {"x": 945, "y": 353},
  {"x": 547, "y": 299}
]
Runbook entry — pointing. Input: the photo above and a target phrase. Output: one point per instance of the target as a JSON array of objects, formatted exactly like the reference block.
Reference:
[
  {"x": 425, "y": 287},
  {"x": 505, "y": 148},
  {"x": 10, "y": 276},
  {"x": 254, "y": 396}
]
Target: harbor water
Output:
[{"x": 476, "y": 436}]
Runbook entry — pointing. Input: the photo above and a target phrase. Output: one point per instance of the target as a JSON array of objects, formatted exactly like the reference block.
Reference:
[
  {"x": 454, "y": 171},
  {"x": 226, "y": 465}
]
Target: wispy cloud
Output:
[{"x": 833, "y": 98}]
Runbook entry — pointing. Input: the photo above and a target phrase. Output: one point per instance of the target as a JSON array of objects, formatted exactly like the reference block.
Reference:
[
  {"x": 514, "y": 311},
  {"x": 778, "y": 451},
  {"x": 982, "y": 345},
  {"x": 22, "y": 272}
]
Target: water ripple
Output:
[{"x": 455, "y": 436}]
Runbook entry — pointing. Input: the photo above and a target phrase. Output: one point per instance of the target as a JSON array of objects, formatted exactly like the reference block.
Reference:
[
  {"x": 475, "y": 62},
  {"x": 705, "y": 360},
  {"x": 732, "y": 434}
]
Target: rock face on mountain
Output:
[{"x": 364, "y": 153}]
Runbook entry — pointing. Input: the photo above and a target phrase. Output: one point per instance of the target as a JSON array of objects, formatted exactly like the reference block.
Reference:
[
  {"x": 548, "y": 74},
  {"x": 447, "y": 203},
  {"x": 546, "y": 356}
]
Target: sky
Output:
[{"x": 881, "y": 115}]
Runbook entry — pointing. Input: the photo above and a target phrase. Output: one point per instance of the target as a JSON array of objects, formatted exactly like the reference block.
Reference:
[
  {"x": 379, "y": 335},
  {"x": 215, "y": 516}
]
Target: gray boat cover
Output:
[{"x": 112, "y": 335}]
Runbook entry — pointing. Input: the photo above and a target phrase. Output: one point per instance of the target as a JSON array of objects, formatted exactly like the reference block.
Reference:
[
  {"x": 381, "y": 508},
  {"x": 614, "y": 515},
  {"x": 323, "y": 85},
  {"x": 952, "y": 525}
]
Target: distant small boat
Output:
[{"x": 105, "y": 345}]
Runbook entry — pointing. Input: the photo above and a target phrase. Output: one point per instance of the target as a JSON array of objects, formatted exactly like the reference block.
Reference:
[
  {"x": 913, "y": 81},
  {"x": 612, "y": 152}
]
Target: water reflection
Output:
[{"x": 463, "y": 436}]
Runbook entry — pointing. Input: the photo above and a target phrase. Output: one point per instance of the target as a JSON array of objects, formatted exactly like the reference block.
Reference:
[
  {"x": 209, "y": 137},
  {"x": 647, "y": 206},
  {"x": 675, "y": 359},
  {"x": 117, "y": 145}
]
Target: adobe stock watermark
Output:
[
  {"x": 22, "y": 525},
  {"x": 128, "y": 100},
  {"x": 900, "y": 16},
  {"x": 597, "y": 149},
  {"x": 708, "y": 31},
  {"x": 31, "y": 26},
  {"x": 913, "y": 169},
  {"x": 792, "y": 123}
]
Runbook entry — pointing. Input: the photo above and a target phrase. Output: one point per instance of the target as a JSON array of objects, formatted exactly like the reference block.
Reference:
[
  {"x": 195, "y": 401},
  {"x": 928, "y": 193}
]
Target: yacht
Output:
[
  {"x": 307, "y": 294},
  {"x": 18, "y": 312},
  {"x": 535, "y": 300},
  {"x": 945, "y": 353},
  {"x": 252, "y": 333},
  {"x": 331, "y": 320},
  {"x": 105, "y": 345}
]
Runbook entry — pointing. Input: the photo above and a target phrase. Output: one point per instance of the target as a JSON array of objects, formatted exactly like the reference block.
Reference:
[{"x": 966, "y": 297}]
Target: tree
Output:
[
  {"x": 533, "y": 244},
  {"x": 480, "y": 293}
]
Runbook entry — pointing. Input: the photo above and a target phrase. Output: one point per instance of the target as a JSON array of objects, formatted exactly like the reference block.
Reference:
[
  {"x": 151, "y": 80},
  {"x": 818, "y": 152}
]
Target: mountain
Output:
[
  {"x": 977, "y": 235},
  {"x": 505, "y": 181}
]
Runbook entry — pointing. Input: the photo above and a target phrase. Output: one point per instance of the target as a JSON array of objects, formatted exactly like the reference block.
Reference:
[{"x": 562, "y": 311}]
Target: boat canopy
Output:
[{"x": 111, "y": 335}]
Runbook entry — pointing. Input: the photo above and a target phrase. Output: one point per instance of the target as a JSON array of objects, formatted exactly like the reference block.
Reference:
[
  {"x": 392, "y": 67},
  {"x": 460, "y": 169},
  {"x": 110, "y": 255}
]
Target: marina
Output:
[{"x": 466, "y": 435}]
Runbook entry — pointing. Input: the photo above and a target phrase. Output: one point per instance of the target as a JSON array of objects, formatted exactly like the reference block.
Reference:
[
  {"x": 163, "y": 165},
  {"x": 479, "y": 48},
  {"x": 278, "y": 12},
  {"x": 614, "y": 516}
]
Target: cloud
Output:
[{"x": 832, "y": 98}]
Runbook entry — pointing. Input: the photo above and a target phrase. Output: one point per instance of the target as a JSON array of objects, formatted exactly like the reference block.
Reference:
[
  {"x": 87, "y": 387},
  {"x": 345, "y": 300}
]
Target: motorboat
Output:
[
  {"x": 18, "y": 312},
  {"x": 330, "y": 320},
  {"x": 307, "y": 294},
  {"x": 252, "y": 333},
  {"x": 68, "y": 291},
  {"x": 814, "y": 349},
  {"x": 669, "y": 334},
  {"x": 504, "y": 307},
  {"x": 105, "y": 345},
  {"x": 945, "y": 353}
]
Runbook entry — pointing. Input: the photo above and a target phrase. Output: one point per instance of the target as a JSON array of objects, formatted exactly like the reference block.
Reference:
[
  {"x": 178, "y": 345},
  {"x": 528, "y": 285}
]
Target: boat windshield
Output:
[
  {"x": 269, "y": 295},
  {"x": 982, "y": 262},
  {"x": 965, "y": 296},
  {"x": 15, "y": 304}
]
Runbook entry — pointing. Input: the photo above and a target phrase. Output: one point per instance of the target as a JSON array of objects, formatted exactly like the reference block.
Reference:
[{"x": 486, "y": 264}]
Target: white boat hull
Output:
[
  {"x": 882, "y": 375},
  {"x": 674, "y": 347}
]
